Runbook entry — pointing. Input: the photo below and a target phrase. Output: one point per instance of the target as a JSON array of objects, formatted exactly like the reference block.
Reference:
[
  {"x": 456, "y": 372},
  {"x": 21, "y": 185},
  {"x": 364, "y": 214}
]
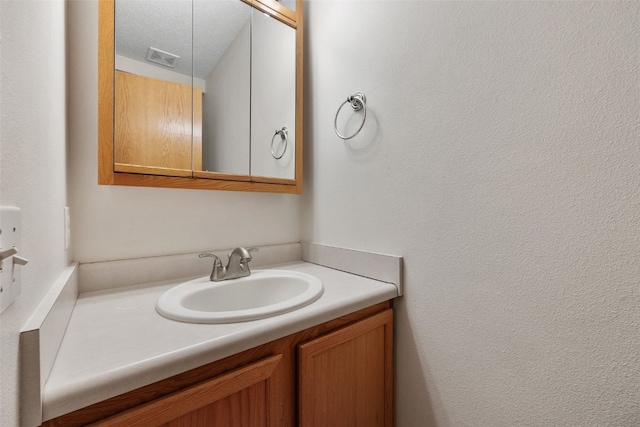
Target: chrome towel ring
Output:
[
  {"x": 358, "y": 102},
  {"x": 284, "y": 135}
]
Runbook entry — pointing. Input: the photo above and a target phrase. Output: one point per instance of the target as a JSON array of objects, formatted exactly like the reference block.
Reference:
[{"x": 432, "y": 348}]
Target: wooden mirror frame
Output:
[{"x": 107, "y": 175}]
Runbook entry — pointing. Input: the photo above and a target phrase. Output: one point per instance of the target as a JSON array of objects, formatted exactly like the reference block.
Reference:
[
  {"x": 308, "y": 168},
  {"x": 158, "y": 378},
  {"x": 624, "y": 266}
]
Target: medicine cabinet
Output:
[{"x": 201, "y": 94}]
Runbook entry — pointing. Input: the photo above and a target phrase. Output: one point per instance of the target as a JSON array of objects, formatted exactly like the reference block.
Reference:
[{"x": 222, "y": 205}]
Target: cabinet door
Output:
[
  {"x": 158, "y": 126},
  {"x": 239, "y": 398},
  {"x": 346, "y": 377}
]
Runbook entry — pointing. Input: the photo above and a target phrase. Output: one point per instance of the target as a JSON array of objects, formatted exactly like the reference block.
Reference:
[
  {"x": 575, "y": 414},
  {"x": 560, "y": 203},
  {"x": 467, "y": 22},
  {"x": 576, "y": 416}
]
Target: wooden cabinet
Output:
[
  {"x": 346, "y": 377},
  {"x": 339, "y": 373},
  {"x": 239, "y": 398},
  {"x": 126, "y": 165},
  {"x": 158, "y": 126}
]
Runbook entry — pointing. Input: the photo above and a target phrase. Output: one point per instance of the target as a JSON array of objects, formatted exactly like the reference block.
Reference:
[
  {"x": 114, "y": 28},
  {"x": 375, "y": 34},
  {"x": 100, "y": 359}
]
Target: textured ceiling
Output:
[{"x": 169, "y": 24}]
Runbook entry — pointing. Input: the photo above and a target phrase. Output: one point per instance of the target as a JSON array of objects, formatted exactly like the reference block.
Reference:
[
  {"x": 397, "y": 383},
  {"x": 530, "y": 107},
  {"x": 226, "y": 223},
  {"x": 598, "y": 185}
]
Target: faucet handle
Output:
[
  {"x": 247, "y": 254},
  {"x": 216, "y": 260}
]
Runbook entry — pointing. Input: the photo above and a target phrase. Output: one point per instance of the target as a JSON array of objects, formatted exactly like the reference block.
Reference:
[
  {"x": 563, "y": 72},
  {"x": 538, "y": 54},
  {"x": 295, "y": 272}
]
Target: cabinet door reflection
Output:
[{"x": 156, "y": 128}]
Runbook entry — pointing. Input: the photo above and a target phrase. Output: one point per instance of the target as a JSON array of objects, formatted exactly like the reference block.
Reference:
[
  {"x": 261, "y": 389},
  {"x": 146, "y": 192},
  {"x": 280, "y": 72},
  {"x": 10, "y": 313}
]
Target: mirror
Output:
[
  {"x": 273, "y": 98},
  {"x": 156, "y": 111},
  {"x": 201, "y": 94},
  {"x": 223, "y": 62}
]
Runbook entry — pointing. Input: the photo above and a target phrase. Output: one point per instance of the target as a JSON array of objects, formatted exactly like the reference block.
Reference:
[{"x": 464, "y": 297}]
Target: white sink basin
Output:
[{"x": 264, "y": 293}]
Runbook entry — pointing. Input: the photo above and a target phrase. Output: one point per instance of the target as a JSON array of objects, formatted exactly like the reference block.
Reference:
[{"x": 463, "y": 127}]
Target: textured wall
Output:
[
  {"x": 112, "y": 222},
  {"x": 32, "y": 163},
  {"x": 500, "y": 157}
]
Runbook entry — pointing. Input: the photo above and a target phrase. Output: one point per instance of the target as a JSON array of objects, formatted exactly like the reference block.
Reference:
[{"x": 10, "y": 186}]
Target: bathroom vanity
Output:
[
  {"x": 345, "y": 364},
  {"x": 328, "y": 363}
]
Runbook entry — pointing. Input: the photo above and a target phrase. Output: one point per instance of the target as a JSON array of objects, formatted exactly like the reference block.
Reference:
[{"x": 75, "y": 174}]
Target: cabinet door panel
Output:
[
  {"x": 238, "y": 398},
  {"x": 346, "y": 377},
  {"x": 245, "y": 408},
  {"x": 154, "y": 126}
]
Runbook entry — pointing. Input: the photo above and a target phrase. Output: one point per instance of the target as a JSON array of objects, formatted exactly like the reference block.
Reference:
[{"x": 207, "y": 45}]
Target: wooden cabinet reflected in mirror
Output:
[
  {"x": 157, "y": 126},
  {"x": 208, "y": 115}
]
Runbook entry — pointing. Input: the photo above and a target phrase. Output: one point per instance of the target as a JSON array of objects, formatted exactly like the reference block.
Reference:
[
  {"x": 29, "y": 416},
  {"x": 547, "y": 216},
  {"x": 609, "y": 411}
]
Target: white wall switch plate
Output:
[{"x": 10, "y": 270}]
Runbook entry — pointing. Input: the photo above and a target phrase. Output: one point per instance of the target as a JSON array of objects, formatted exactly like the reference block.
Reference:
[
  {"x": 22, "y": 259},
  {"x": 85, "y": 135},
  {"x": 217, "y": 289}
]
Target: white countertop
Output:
[{"x": 116, "y": 342}]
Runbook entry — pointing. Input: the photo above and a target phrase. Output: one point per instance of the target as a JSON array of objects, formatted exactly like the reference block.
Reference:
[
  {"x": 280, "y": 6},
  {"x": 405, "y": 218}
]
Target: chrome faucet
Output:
[{"x": 237, "y": 266}]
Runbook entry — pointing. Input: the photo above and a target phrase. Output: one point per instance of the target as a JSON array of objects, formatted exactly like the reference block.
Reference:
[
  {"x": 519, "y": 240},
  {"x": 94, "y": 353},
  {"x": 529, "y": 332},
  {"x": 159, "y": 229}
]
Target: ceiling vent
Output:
[{"x": 163, "y": 58}]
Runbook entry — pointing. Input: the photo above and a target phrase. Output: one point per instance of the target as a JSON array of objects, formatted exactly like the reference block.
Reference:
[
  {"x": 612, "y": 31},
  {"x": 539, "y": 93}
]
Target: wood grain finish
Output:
[
  {"x": 106, "y": 81},
  {"x": 245, "y": 408},
  {"x": 222, "y": 176},
  {"x": 141, "y": 175},
  {"x": 346, "y": 377},
  {"x": 283, "y": 381},
  {"x": 239, "y": 396},
  {"x": 151, "y": 170},
  {"x": 153, "y": 123}
]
